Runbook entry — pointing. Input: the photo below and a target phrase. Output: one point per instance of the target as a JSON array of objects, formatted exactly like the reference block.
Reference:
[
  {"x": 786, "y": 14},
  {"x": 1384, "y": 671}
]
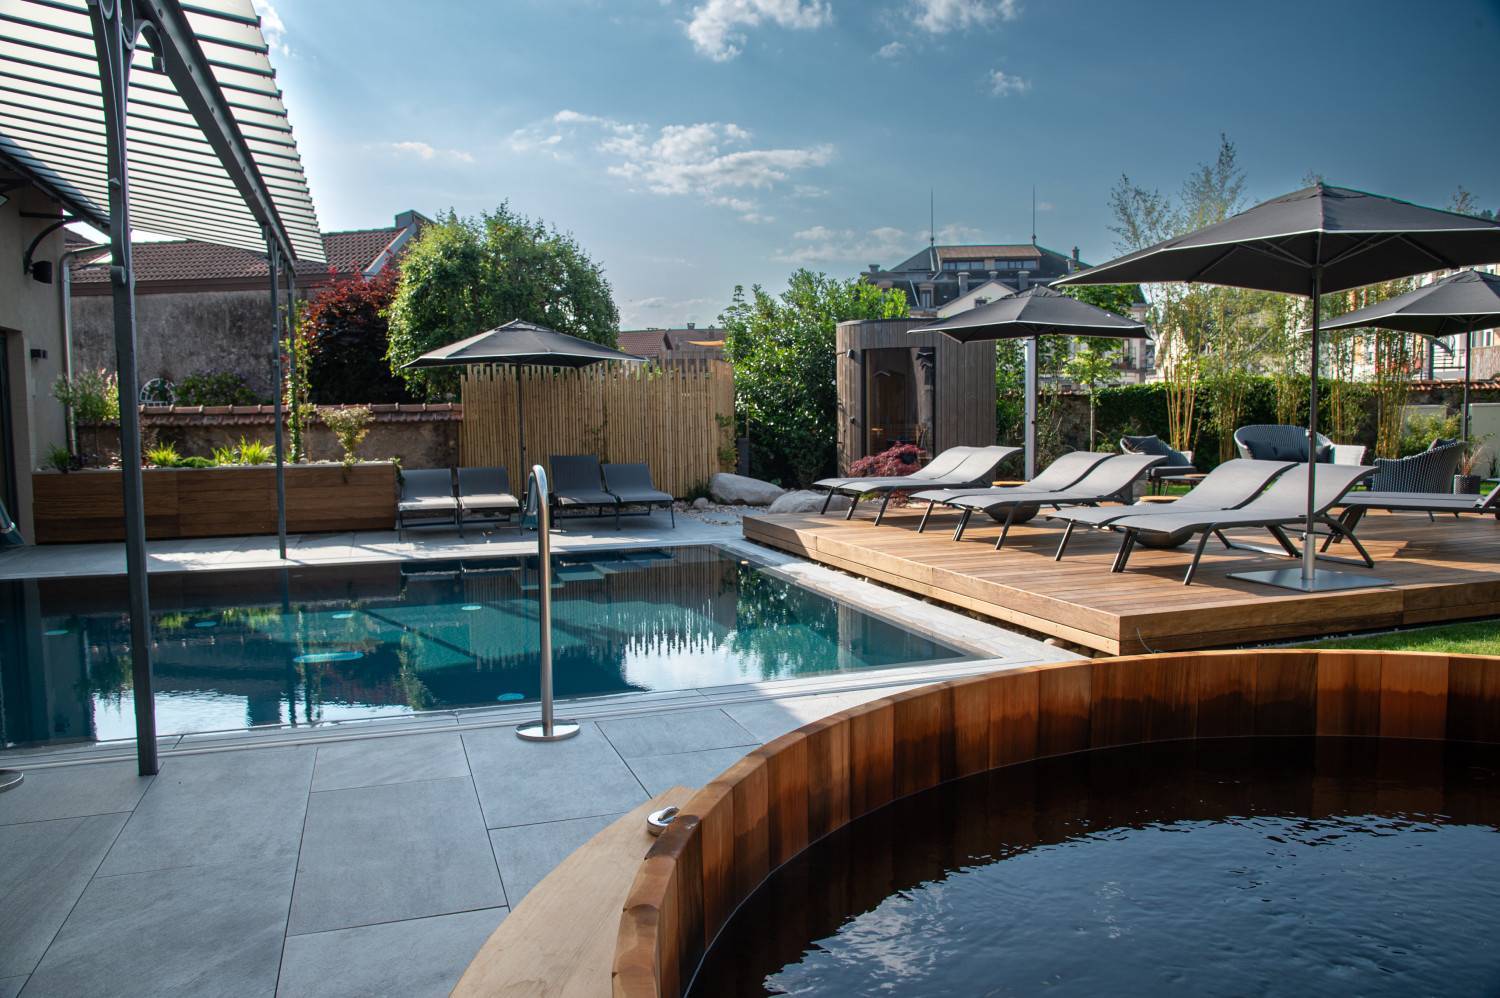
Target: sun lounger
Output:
[
  {"x": 973, "y": 470},
  {"x": 1109, "y": 480},
  {"x": 426, "y": 494},
  {"x": 578, "y": 482},
  {"x": 632, "y": 485},
  {"x": 485, "y": 491},
  {"x": 1283, "y": 504},
  {"x": 1060, "y": 474},
  {"x": 1229, "y": 486},
  {"x": 1357, "y": 504}
]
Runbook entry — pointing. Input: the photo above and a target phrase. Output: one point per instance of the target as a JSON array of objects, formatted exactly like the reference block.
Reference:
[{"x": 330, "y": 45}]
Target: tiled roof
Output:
[
  {"x": 1022, "y": 251},
  {"x": 643, "y": 342},
  {"x": 191, "y": 260}
]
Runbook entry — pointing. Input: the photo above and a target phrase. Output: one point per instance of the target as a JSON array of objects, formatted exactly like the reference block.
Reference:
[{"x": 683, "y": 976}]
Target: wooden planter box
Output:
[{"x": 215, "y": 502}]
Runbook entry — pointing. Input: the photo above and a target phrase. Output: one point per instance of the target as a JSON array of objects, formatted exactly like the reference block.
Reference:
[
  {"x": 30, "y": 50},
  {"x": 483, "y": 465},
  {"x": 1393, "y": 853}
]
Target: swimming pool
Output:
[{"x": 296, "y": 646}]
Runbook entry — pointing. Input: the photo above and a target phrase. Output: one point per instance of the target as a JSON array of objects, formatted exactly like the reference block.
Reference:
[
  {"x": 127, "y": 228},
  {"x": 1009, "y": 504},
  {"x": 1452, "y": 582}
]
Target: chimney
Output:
[
  {"x": 963, "y": 282},
  {"x": 1023, "y": 280},
  {"x": 874, "y": 268},
  {"x": 692, "y": 325}
]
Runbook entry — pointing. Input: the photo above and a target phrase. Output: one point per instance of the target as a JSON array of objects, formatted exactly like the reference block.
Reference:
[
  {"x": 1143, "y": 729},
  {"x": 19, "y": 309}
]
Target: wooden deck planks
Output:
[{"x": 1447, "y": 570}]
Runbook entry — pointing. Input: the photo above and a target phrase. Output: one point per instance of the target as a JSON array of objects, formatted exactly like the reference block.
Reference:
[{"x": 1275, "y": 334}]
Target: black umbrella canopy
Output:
[
  {"x": 1351, "y": 237},
  {"x": 1037, "y": 311},
  {"x": 1459, "y": 303},
  {"x": 522, "y": 343}
]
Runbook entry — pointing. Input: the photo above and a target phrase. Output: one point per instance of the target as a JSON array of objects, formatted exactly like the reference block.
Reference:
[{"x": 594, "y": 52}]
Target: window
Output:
[{"x": 926, "y": 299}]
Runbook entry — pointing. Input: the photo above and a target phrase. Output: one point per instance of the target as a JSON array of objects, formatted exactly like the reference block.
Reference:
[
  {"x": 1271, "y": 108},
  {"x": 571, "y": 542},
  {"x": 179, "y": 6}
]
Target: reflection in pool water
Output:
[
  {"x": 236, "y": 649},
  {"x": 1233, "y": 867}
]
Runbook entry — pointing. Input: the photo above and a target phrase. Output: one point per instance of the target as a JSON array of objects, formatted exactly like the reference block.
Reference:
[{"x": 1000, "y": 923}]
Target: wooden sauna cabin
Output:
[{"x": 925, "y": 389}]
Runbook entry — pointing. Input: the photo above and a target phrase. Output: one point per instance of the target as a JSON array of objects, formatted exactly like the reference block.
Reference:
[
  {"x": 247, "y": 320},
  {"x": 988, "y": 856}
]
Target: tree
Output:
[
  {"x": 461, "y": 276},
  {"x": 1093, "y": 367},
  {"x": 1464, "y": 203},
  {"x": 782, "y": 348},
  {"x": 344, "y": 334}
]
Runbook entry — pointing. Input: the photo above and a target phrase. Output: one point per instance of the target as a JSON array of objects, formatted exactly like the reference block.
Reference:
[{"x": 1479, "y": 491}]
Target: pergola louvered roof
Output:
[{"x": 52, "y": 126}]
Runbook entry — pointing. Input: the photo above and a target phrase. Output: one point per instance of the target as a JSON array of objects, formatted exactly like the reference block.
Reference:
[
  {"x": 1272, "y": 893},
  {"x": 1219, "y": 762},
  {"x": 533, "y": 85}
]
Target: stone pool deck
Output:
[{"x": 375, "y": 857}]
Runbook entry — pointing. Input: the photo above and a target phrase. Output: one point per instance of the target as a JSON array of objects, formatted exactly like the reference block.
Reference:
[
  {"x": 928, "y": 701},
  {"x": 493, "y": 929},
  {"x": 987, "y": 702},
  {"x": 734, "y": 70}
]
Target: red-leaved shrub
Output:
[{"x": 901, "y": 459}]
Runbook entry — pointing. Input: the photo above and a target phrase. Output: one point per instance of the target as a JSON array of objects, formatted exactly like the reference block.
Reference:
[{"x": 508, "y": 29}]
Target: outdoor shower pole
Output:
[
  {"x": 114, "y": 32},
  {"x": 1468, "y": 368},
  {"x": 548, "y": 729},
  {"x": 273, "y": 260},
  {"x": 1031, "y": 352}
]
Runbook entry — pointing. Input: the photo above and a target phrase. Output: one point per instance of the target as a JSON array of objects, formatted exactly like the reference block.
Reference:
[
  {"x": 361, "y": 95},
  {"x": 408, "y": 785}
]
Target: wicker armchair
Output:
[
  {"x": 1271, "y": 442},
  {"x": 1430, "y": 471}
]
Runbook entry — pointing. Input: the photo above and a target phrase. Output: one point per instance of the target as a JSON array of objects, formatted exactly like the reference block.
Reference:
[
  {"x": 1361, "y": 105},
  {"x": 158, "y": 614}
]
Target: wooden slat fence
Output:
[{"x": 679, "y": 420}]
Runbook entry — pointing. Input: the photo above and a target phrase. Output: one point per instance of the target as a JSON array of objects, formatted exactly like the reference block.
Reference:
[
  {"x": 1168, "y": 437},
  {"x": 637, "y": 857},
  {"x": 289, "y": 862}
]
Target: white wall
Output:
[{"x": 30, "y": 319}]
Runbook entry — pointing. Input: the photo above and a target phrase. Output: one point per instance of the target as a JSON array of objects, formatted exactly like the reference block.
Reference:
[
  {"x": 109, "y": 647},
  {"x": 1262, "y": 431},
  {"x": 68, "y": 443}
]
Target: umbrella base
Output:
[
  {"x": 535, "y": 731},
  {"x": 10, "y": 778},
  {"x": 1322, "y": 581}
]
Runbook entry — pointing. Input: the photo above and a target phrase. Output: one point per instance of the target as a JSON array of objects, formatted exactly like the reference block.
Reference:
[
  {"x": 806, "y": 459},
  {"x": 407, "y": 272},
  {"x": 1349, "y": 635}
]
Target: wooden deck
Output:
[{"x": 1447, "y": 570}]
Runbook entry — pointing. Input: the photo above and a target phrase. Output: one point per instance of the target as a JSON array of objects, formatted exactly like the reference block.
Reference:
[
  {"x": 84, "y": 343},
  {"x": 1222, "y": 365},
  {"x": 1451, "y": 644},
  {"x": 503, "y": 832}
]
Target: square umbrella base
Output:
[{"x": 1323, "y": 580}]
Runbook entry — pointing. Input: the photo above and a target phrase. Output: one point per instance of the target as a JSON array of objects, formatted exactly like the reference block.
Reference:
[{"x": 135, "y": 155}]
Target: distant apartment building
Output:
[
  {"x": 665, "y": 346},
  {"x": 941, "y": 281}
]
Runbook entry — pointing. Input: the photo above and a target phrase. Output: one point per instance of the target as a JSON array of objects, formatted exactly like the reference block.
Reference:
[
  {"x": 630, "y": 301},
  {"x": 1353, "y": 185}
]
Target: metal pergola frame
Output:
[{"x": 204, "y": 167}]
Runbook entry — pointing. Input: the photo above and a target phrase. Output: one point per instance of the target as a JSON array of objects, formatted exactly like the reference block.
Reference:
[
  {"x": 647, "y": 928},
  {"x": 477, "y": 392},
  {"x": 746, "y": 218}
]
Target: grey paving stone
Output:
[
  {"x": 400, "y": 759},
  {"x": 405, "y": 850},
  {"x": 238, "y": 807},
  {"x": 522, "y": 783},
  {"x": 199, "y": 931},
  {"x": 774, "y": 718},
  {"x": 72, "y": 792},
  {"x": 46, "y": 866},
  {"x": 11, "y": 986},
  {"x": 687, "y": 769},
  {"x": 527, "y": 853},
  {"x": 674, "y": 731},
  {"x": 414, "y": 958}
]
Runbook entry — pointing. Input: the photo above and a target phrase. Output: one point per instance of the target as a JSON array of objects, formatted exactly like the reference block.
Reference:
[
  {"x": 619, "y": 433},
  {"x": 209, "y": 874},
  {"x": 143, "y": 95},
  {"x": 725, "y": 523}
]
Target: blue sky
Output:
[{"x": 692, "y": 145}]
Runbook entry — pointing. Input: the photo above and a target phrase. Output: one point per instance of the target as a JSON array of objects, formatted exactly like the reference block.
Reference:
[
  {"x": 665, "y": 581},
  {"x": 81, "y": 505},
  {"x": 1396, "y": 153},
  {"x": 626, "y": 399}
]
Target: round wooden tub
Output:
[{"x": 781, "y": 797}]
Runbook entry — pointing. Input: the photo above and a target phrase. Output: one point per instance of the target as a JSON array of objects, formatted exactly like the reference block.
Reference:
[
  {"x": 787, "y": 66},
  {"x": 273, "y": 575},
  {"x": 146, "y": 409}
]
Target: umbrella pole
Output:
[
  {"x": 1030, "y": 350},
  {"x": 1309, "y": 545},
  {"x": 1468, "y": 368}
]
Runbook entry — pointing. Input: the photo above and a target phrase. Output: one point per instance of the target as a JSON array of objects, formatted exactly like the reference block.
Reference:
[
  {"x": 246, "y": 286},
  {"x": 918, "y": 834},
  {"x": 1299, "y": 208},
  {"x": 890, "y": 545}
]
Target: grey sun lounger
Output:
[
  {"x": 1229, "y": 486},
  {"x": 1108, "y": 480},
  {"x": 1357, "y": 504},
  {"x": 578, "y": 482},
  {"x": 632, "y": 485},
  {"x": 426, "y": 494},
  {"x": 973, "y": 470},
  {"x": 1283, "y": 504},
  {"x": 485, "y": 491},
  {"x": 1060, "y": 474}
]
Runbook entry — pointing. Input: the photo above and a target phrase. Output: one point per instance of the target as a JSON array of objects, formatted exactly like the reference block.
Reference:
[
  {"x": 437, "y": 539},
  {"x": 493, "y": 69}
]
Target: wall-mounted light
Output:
[{"x": 37, "y": 353}]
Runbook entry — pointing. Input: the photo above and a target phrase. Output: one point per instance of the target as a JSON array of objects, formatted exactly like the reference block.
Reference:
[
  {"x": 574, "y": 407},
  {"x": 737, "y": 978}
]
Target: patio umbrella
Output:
[
  {"x": 1037, "y": 311},
  {"x": 522, "y": 344},
  {"x": 1459, "y": 303},
  {"x": 1310, "y": 242}
]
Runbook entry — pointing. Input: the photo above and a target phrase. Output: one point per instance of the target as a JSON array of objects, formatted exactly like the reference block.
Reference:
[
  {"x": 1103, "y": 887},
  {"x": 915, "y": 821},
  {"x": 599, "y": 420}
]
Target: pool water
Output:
[
  {"x": 294, "y": 646},
  {"x": 1240, "y": 867}
]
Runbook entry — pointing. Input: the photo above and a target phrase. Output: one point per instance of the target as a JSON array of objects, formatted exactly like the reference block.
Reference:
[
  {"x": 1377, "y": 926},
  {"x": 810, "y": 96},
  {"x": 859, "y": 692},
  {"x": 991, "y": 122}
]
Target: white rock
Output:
[
  {"x": 737, "y": 489},
  {"x": 807, "y": 501},
  {"x": 700, "y": 503}
]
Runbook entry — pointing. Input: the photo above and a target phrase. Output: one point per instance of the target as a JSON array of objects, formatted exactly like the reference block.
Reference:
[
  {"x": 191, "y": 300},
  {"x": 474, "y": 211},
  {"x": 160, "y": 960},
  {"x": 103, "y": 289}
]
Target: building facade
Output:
[
  {"x": 205, "y": 309},
  {"x": 32, "y": 420},
  {"x": 666, "y": 346},
  {"x": 940, "y": 275}
]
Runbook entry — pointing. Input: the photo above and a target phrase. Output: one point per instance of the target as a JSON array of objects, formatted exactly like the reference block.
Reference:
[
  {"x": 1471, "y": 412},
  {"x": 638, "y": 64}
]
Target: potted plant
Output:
[{"x": 1467, "y": 481}]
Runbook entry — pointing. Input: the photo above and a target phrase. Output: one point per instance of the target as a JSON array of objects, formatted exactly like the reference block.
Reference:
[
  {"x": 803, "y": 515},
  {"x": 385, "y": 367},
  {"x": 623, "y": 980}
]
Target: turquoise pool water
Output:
[{"x": 296, "y": 646}]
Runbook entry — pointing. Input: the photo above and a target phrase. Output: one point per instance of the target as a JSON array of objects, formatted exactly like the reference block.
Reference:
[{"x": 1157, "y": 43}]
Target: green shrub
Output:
[
  {"x": 349, "y": 425},
  {"x": 1421, "y": 428},
  {"x": 94, "y": 396},
  {"x": 215, "y": 388},
  {"x": 59, "y": 459},
  {"x": 245, "y": 452},
  {"x": 163, "y": 456},
  {"x": 196, "y": 462}
]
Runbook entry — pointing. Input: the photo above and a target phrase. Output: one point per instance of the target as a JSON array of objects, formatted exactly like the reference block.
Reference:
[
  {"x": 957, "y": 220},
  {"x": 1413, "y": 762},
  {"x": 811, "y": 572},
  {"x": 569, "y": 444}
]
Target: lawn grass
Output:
[{"x": 1480, "y": 637}]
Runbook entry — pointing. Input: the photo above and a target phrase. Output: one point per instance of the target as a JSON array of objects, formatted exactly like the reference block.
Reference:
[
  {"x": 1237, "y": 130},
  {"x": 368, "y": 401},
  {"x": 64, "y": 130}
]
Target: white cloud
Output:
[
  {"x": 957, "y": 234},
  {"x": 820, "y": 244},
  {"x": 940, "y": 16},
  {"x": 717, "y": 27},
  {"x": 272, "y": 27},
  {"x": 429, "y": 153},
  {"x": 1045, "y": 206},
  {"x": 659, "y": 310},
  {"x": 713, "y": 162},
  {"x": 1003, "y": 84},
  {"x": 891, "y": 50}
]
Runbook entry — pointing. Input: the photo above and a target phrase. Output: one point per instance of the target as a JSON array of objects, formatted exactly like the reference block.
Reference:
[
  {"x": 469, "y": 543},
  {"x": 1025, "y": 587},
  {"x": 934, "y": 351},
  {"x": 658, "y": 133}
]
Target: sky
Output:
[{"x": 694, "y": 145}]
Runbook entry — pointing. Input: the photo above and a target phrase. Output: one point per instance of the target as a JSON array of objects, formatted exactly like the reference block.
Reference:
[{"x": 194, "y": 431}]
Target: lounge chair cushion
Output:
[
  {"x": 428, "y": 504},
  {"x": 632, "y": 483},
  {"x": 1155, "y": 445}
]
